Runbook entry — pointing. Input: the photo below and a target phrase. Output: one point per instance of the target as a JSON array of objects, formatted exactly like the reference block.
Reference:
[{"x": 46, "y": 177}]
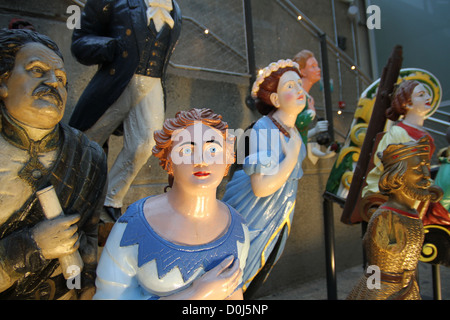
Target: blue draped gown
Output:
[{"x": 265, "y": 216}]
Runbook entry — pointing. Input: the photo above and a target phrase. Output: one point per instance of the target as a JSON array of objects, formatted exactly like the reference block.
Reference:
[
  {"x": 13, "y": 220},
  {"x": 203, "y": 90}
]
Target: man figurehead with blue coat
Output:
[{"x": 131, "y": 41}]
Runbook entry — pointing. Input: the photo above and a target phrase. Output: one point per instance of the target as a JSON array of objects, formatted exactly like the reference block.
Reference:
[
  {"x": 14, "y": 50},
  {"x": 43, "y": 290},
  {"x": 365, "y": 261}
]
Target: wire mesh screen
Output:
[{"x": 213, "y": 36}]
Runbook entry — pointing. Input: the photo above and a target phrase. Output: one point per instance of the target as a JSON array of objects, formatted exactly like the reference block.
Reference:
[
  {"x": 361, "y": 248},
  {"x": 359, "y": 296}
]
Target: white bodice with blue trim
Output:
[{"x": 137, "y": 263}]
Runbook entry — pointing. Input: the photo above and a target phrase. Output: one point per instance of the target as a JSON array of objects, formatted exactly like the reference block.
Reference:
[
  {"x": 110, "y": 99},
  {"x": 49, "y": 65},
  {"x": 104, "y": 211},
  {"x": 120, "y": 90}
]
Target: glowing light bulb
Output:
[
  {"x": 339, "y": 112},
  {"x": 353, "y": 67},
  {"x": 299, "y": 18},
  {"x": 206, "y": 31}
]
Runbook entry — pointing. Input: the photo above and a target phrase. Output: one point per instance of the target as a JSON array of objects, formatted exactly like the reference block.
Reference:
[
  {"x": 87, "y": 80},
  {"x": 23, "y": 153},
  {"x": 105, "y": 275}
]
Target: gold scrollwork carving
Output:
[
  {"x": 429, "y": 252},
  {"x": 346, "y": 151},
  {"x": 358, "y": 133},
  {"x": 346, "y": 179},
  {"x": 364, "y": 109}
]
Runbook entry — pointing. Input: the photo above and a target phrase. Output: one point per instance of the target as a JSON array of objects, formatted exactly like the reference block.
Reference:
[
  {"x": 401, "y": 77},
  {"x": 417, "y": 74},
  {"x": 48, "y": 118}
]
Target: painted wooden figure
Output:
[
  {"x": 412, "y": 102},
  {"x": 264, "y": 190},
  {"x": 37, "y": 150},
  {"x": 185, "y": 243},
  {"x": 310, "y": 74},
  {"x": 131, "y": 41},
  {"x": 395, "y": 234}
]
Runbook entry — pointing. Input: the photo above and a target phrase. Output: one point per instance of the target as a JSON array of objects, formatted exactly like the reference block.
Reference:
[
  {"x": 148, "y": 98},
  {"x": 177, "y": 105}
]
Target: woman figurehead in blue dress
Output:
[
  {"x": 264, "y": 190},
  {"x": 185, "y": 243}
]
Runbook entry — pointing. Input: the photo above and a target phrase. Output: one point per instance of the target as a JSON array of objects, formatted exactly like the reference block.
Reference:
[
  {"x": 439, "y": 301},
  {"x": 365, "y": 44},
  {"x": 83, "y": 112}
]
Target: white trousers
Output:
[{"x": 141, "y": 108}]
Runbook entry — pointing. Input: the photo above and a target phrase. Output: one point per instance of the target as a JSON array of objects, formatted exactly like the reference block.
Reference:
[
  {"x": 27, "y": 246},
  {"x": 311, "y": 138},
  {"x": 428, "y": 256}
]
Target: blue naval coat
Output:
[{"x": 115, "y": 36}]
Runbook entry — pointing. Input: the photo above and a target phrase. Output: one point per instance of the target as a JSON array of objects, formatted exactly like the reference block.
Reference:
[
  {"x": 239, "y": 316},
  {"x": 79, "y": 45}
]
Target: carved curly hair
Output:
[
  {"x": 183, "y": 119},
  {"x": 11, "y": 41},
  {"x": 392, "y": 177},
  {"x": 401, "y": 98}
]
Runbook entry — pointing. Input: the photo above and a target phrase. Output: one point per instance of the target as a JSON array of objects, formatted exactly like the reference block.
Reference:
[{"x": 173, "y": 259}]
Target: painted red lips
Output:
[{"x": 201, "y": 174}]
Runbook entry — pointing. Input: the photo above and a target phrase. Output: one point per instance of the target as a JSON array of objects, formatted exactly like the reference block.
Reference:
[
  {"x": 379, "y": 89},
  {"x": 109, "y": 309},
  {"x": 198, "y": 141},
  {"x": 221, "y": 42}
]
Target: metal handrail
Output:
[
  {"x": 445, "y": 103},
  {"x": 445, "y": 123},
  {"x": 442, "y": 112},
  {"x": 192, "y": 68},
  {"x": 435, "y": 131},
  {"x": 439, "y": 121},
  {"x": 316, "y": 31},
  {"x": 220, "y": 41},
  {"x": 310, "y": 26},
  {"x": 80, "y": 3},
  {"x": 216, "y": 37}
]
